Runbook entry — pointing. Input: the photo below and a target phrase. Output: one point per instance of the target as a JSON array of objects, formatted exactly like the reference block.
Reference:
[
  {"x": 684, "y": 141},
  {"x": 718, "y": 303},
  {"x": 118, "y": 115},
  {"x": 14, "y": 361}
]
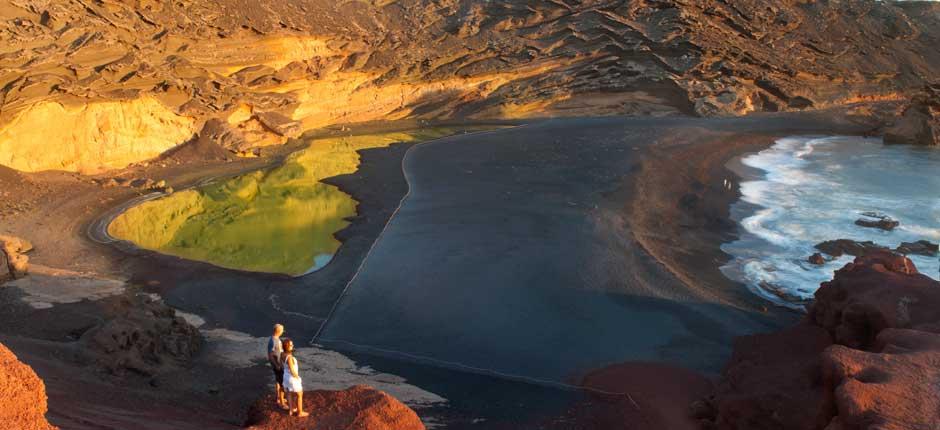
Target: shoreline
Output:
[
  {"x": 172, "y": 278},
  {"x": 694, "y": 210}
]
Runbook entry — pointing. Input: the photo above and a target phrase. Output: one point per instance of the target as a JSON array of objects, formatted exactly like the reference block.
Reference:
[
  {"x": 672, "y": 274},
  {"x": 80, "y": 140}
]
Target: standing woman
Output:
[{"x": 292, "y": 383}]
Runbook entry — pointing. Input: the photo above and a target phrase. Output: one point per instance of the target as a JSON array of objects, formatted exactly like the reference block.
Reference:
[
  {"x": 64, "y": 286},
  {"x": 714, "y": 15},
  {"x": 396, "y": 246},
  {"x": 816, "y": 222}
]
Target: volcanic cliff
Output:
[
  {"x": 866, "y": 356},
  {"x": 90, "y": 85}
]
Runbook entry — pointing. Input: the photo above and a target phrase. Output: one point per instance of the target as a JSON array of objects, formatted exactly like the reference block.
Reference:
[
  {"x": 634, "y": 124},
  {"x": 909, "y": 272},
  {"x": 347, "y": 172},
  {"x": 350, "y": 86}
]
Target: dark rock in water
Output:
[
  {"x": 817, "y": 259},
  {"x": 840, "y": 247},
  {"x": 883, "y": 222},
  {"x": 919, "y": 123},
  {"x": 921, "y": 247}
]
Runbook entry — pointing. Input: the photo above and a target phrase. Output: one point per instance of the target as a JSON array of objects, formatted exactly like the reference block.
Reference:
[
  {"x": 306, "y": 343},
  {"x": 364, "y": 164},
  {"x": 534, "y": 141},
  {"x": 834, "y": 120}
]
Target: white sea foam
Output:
[{"x": 811, "y": 189}]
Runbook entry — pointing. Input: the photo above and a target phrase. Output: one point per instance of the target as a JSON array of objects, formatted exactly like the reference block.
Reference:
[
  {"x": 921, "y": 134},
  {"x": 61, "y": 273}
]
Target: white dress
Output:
[{"x": 292, "y": 383}]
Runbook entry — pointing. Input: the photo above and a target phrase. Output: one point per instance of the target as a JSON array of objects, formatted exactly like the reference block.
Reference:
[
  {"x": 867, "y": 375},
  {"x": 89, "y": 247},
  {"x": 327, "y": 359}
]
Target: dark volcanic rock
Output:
[
  {"x": 878, "y": 221},
  {"x": 921, "y": 247},
  {"x": 817, "y": 259},
  {"x": 147, "y": 339},
  {"x": 840, "y": 247}
]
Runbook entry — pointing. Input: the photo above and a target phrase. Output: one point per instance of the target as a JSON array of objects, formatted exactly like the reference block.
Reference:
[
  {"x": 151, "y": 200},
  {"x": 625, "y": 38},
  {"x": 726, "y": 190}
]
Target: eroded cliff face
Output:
[{"x": 88, "y": 85}]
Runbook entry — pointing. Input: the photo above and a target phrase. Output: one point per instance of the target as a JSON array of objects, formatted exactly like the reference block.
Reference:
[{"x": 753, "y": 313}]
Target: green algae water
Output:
[{"x": 279, "y": 220}]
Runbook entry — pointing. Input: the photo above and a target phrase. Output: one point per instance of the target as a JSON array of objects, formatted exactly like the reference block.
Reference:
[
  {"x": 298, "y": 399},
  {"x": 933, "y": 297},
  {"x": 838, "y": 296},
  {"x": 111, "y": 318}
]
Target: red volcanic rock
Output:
[
  {"x": 773, "y": 381},
  {"x": 877, "y": 291},
  {"x": 896, "y": 389},
  {"x": 22, "y": 395},
  {"x": 882, "y": 372},
  {"x": 657, "y": 395},
  {"x": 357, "y": 408}
]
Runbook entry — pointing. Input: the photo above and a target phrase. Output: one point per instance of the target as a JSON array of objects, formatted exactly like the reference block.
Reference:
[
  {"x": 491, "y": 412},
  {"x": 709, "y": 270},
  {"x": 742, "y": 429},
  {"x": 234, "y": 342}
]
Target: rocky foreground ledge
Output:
[
  {"x": 359, "y": 407},
  {"x": 22, "y": 395},
  {"x": 866, "y": 356}
]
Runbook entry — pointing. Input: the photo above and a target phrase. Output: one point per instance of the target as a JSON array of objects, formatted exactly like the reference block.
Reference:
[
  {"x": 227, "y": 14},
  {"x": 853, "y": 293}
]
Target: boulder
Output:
[
  {"x": 877, "y": 291},
  {"x": 882, "y": 222},
  {"x": 22, "y": 395},
  {"x": 897, "y": 388},
  {"x": 921, "y": 247},
  {"x": 14, "y": 251},
  {"x": 147, "y": 339},
  {"x": 357, "y": 408},
  {"x": 816, "y": 259},
  {"x": 280, "y": 124},
  {"x": 840, "y": 247}
]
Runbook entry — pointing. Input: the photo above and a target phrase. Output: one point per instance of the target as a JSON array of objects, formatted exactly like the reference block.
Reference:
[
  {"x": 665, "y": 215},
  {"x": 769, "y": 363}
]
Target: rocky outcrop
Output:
[
  {"x": 87, "y": 86},
  {"x": 14, "y": 263},
  {"x": 919, "y": 122},
  {"x": 895, "y": 388},
  {"x": 816, "y": 259},
  {"x": 865, "y": 356},
  {"x": 840, "y": 247},
  {"x": 146, "y": 338},
  {"x": 873, "y": 220},
  {"x": 875, "y": 292},
  {"x": 22, "y": 395},
  {"x": 921, "y": 247},
  {"x": 357, "y": 408}
]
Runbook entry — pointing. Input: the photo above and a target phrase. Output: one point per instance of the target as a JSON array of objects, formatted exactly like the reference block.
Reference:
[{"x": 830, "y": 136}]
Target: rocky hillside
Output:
[{"x": 88, "y": 85}]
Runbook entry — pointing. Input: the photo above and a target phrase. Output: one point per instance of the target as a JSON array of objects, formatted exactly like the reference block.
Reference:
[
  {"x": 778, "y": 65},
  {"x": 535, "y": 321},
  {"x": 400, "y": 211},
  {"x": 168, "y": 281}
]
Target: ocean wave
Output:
[{"x": 812, "y": 189}]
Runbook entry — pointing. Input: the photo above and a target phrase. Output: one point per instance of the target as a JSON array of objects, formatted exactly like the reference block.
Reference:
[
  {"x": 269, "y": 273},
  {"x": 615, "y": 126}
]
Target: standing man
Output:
[{"x": 274, "y": 359}]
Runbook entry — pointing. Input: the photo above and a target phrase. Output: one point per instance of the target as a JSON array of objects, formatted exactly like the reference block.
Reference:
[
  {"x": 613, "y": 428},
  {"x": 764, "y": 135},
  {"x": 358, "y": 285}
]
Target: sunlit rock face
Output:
[
  {"x": 91, "y": 137},
  {"x": 136, "y": 77}
]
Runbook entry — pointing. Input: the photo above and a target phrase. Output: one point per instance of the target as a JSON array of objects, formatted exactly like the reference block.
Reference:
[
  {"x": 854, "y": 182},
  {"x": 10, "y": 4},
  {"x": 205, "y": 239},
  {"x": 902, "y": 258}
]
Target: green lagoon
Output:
[{"x": 277, "y": 220}]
